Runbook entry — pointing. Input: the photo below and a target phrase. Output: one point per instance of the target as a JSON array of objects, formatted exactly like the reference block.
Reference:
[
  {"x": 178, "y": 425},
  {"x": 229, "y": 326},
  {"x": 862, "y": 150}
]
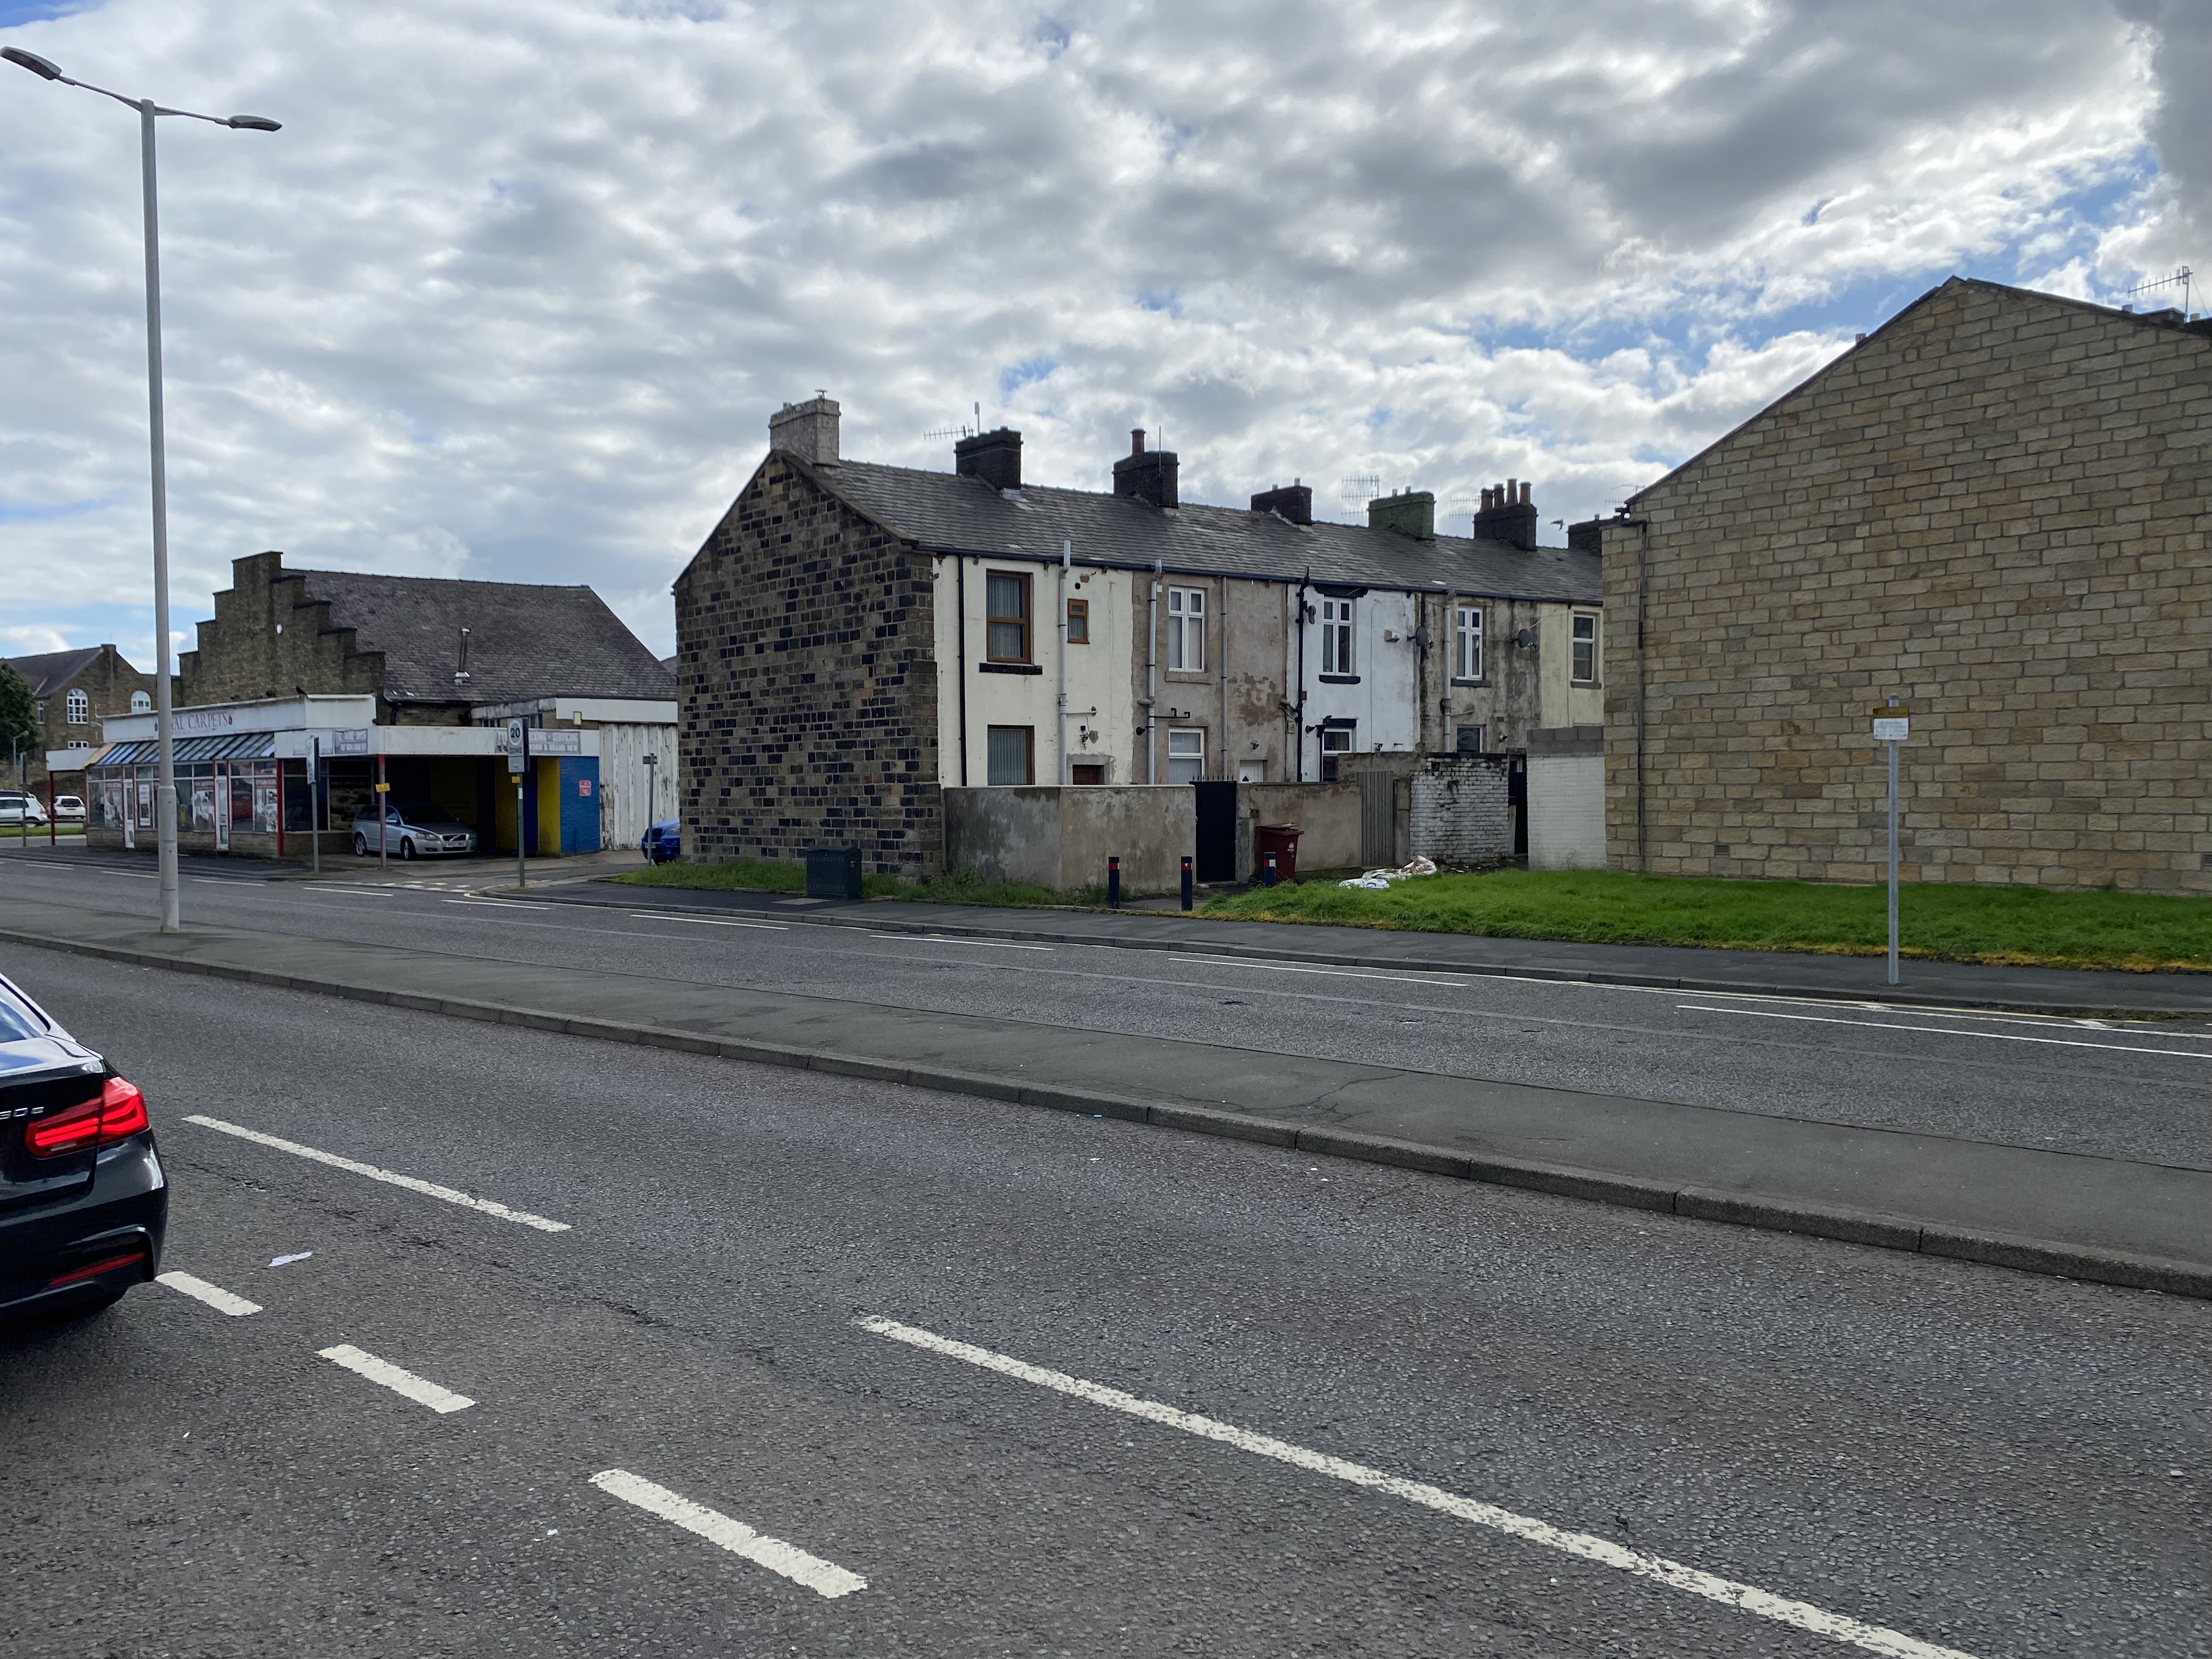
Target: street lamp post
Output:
[{"x": 165, "y": 820}]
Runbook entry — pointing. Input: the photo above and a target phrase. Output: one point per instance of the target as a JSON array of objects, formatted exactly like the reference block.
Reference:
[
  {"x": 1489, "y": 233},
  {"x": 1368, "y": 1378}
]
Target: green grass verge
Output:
[
  {"x": 2141, "y": 933},
  {"x": 773, "y": 876}
]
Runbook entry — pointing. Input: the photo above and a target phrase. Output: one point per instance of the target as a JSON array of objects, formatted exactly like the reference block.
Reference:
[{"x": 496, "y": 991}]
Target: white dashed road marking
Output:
[
  {"x": 823, "y": 1577},
  {"x": 214, "y": 1295},
  {"x": 421, "y": 1390},
  {"x": 706, "y": 921},
  {"x": 427, "y": 1189},
  {"x": 1744, "y": 1598}
]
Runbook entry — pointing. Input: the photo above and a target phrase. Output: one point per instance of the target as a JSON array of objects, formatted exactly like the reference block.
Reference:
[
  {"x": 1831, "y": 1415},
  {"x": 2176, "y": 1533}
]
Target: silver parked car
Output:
[
  {"x": 19, "y": 806},
  {"x": 413, "y": 829}
]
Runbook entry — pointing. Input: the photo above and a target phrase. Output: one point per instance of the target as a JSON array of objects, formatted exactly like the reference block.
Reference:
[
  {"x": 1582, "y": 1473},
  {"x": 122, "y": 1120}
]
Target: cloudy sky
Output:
[{"x": 513, "y": 294}]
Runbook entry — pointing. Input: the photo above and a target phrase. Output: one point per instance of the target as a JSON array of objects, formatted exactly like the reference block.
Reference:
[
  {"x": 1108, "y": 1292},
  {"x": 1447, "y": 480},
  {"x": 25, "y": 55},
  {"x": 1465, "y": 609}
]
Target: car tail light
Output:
[
  {"x": 135, "y": 1257},
  {"x": 119, "y": 1114}
]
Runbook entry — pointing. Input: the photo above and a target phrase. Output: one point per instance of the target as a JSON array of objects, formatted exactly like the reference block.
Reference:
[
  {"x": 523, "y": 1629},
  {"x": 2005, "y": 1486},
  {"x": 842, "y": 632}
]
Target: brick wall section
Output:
[
  {"x": 238, "y": 655},
  {"x": 1996, "y": 508},
  {"x": 1459, "y": 811},
  {"x": 809, "y": 688}
]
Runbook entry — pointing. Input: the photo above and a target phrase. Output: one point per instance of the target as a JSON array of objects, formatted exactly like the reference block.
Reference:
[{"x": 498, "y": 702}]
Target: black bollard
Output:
[
  {"x": 1267, "y": 877},
  {"x": 1113, "y": 884},
  {"x": 1186, "y": 881}
]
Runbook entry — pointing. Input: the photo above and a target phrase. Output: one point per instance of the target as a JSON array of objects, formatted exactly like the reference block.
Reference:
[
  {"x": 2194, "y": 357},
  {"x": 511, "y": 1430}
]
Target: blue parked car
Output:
[{"x": 663, "y": 841}]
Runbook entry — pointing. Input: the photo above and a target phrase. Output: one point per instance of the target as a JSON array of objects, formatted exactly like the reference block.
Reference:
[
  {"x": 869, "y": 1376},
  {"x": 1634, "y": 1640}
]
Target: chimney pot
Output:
[
  {"x": 1136, "y": 440},
  {"x": 1146, "y": 475},
  {"x": 1509, "y": 514}
]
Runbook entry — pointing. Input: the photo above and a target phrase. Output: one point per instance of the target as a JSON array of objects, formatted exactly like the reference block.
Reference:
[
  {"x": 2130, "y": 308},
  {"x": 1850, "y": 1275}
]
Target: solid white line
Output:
[
  {"x": 1744, "y": 1598},
  {"x": 703, "y": 921},
  {"x": 822, "y": 1578},
  {"x": 1938, "y": 1031},
  {"x": 427, "y": 1189},
  {"x": 421, "y": 1390},
  {"x": 214, "y": 1295},
  {"x": 1339, "y": 973}
]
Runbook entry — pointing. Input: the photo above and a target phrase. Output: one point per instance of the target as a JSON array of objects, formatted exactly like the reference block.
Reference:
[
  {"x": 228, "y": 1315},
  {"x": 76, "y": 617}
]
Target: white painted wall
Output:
[
  {"x": 1100, "y": 696},
  {"x": 1382, "y": 703},
  {"x": 1566, "y": 811},
  {"x": 623, "y": 810}
]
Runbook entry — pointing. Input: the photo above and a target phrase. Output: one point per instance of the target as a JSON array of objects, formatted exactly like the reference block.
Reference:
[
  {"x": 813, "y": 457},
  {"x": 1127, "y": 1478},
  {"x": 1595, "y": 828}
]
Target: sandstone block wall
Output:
[
  {"x": 1996, "y": 508},
  {"x": 808, "y": 689}
]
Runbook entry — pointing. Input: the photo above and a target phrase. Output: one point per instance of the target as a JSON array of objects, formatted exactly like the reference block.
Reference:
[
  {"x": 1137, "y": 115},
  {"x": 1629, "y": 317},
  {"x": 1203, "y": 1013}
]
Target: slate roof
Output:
[
  {"x": 525, "y": 640},
  {"x": 946, "y": 513},
  {"x": 51, "y": 671}
]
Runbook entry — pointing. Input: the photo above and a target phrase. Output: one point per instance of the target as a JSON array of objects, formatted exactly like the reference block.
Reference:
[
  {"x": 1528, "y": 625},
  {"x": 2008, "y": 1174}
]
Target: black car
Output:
[{"x": 84, "y": 1205}]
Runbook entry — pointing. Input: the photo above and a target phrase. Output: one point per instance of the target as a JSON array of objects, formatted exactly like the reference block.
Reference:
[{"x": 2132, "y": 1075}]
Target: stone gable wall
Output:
[
  {"x": 808, "y": 685},
  {"x": 240, "y": 655},
  {"x": 107, "y": 681},
  {"x": 1995, "y": 508}
]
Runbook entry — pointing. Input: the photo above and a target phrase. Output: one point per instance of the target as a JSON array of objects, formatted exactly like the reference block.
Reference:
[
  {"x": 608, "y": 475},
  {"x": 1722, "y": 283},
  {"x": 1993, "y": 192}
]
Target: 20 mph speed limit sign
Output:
[{"x": 517, "y": 746}]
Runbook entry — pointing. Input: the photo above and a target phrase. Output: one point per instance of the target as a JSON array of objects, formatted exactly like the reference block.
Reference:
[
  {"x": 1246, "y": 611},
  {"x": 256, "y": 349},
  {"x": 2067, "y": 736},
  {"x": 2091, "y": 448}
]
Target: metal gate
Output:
[
  {"x": 1378, "y": 818},
  {"x": 1516, "y": 801},
  {"x": 1214, "y": 857}
]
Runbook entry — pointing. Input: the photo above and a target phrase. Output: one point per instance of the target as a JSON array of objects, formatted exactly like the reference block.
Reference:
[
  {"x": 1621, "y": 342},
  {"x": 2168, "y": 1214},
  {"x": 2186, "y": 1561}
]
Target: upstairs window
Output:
[
  {"x": 1078, "y": 621},
  {"x": 1006, "y": 602},
  {"x": 141, "y": 703},
  {"x": 1467, "y": 642},
  {"x": 1586, "y": 648},
  {"x": 1187, "y": 629},
  {"x": 1336, "y": 636},
  {"x": 80, "y": 707}
]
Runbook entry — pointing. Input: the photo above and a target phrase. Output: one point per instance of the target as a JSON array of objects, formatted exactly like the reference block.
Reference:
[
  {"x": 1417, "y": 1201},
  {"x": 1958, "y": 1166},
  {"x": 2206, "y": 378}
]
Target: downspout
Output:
[
  {"x": 1067, "y": 558},
  {"x": 1152, "y": 680},
  {"x": 1225, "y": 680},
  {"x": 1420, "y": 673},
  {"x": 1300, "y": 723},
  {"x": 960, "y": 603}
]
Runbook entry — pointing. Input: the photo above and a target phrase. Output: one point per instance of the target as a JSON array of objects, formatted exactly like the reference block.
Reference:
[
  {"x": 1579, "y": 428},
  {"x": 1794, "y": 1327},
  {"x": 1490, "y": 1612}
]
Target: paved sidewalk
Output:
[
  {"x": 1945, "y": 984},
  {"x": 2125, "y": 1223}
]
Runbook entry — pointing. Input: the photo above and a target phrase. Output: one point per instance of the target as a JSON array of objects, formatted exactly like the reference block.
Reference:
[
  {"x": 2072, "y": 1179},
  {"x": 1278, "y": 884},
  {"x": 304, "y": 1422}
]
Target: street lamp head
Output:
[
  {"x": 45, "y": 68},
  {"x": 254, "y": 124}
]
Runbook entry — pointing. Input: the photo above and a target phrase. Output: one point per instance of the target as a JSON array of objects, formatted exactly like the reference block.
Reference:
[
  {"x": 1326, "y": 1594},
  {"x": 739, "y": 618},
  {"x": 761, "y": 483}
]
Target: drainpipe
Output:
[
  {"x": 1300, "y": 724},
  {"x": 960, "y": 648},
  {"x": 1067, "y": 558},
  {"x": 1225, "y": 680},
  {"x": 1152, "y": 679}
]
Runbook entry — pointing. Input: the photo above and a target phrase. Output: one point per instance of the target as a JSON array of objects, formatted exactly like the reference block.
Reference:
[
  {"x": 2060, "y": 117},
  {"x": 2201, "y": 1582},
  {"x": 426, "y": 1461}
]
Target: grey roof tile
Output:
[
  {"x": 49, "y": 672},
  {"x": 943, "y": 511},
  {"x": 525, "y": 640}
]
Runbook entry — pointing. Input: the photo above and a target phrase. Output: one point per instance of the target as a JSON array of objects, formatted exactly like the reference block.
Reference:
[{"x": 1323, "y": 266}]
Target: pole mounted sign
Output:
[
  {"x": 1892, "y": 725},
  {"x": 517, "y": 741},
  {"x": 518, "y": 761}
]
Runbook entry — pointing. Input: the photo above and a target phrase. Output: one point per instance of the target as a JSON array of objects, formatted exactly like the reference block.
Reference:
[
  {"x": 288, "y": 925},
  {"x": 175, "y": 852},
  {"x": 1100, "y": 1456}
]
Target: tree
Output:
[{"x": 20, "y": 730}]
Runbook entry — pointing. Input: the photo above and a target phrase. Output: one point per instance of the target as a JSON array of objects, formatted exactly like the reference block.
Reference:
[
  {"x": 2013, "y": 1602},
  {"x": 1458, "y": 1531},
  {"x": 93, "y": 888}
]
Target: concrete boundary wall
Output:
[{"x": 1061, "y": 837}]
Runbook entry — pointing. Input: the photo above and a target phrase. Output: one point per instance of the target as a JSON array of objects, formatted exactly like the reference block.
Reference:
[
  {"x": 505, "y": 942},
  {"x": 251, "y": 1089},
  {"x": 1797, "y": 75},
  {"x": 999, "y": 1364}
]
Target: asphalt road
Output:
[
  {"x": 1992, "y": 1464},
  {"x": 2138, "y": 1091}
]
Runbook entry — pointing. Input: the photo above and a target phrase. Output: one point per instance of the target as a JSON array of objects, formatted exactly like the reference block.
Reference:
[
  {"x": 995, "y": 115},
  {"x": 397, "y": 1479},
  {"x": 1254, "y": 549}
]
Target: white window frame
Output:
[
  {"x": 1334, "y": 736},
  {"x": 1337, "y": 656},
  {"x": 1575, "y": 644},
  {"x": 1466, "y": 641},
  {"x": 142, "y": 702},
  {"x": 1186, "y": 745},
  {"x": 78, "y": 705},
  {"x": 1187, "y": 629}
]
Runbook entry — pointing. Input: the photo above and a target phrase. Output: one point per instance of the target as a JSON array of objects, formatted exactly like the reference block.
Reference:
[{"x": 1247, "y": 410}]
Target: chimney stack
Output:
[
  {"x": 1146, "y": 475},
  {"x": 994, "y": 457},
  {"x": 807, "y": 431},
  {"x": 1508, "y": 515},
  {"x": 1292, "y": 500},
  {"x": 1410, "y": 512}
]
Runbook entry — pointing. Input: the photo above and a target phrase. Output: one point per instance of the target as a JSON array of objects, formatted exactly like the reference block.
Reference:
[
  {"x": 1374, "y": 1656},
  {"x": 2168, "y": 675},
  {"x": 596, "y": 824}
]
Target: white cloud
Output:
[{"x": 513, "y": 292}]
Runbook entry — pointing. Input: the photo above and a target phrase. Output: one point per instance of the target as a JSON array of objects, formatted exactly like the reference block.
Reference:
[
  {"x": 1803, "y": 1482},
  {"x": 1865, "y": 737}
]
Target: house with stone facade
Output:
[
  {"x": 1995, "y": 508},
  {"x": 852, "y": 639},
  {"x": 74, "y": 691}
]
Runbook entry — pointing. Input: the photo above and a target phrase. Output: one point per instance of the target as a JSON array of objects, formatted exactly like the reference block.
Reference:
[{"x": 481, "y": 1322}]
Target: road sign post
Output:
[
  {"x": 518, "y": 763},
  {"x": 383, "y": 797},
  {"x": 314, "y": 804},
  {"x": 1892, "y": 725}
]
